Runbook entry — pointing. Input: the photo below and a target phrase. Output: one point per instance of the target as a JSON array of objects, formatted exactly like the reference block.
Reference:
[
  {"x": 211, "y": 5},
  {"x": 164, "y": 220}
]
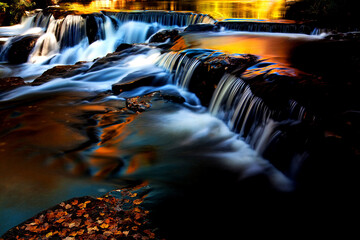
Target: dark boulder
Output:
[
  {"x": 143, "y": 102},
  {"x": 20, "y": 48},
  {"x": 165, "y": 35},
  {"x": 147, "y": 77},
  {"x": 208, "y": 74},
  {"x": 112, "y": 58},
  {"x": 94, "y": 31},
  {"x": 123, "y": 46},
  {"x": 273, "y": 82},
  {"x": 62, "y": 71},
  {"x": 10, "y": 83},
  {"x": 201, "y": 27}
]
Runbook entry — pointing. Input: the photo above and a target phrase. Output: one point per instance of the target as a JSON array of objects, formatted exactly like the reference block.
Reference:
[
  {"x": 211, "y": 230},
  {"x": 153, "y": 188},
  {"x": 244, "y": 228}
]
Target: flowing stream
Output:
[{"x": 72, "y": 136}]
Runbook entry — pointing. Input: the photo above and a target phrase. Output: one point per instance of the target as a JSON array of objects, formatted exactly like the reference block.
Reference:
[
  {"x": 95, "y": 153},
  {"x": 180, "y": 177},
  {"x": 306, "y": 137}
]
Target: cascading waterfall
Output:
[
  {"x": 249, "y": 116},
  {"x": 244, "y": 112},
  {"x": 175, "y": 19},
  {"x": 84, "y": 38},
  {"x": 233, "y": 101},
  {"x": 183, "y": 64}
]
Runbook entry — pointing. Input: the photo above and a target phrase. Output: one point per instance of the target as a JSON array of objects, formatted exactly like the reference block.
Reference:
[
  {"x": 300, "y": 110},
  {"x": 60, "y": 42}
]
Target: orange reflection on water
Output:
[
  {"x": 275, "y": 46},
  {"x": 219, "y": 9},
  {"x": 106, "y": 158}
]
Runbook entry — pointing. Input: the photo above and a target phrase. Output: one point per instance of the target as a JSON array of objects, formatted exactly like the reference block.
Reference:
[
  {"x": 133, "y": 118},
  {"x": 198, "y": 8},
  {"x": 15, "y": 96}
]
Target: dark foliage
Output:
[{"x": 328, "y": 13}]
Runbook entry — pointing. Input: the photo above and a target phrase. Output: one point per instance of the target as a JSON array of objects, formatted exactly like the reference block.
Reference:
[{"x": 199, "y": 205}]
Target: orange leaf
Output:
[
  {"x": 137, "y": 201},
  {"x": 75, "y": 202},
  {"x": 60, "y": 220},
  {"x": 104, "y": 225}
]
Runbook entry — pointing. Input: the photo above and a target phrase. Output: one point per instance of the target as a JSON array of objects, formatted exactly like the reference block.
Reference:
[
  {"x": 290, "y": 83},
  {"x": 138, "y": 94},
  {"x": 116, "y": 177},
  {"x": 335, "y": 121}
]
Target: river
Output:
[{"x": 75, "y": 134}]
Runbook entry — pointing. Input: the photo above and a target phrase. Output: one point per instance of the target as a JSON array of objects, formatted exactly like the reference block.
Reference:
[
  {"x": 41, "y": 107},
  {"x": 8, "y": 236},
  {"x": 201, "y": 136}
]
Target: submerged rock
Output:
[
  {"x": 10, "y": 83},
  {"x": 146, "y": 77},
  {"x": 20, "y": 48},
  {"x": 62, "y": 71},
  {"x": 123, "y": 46},
  {"x": 144, "y": 102}
]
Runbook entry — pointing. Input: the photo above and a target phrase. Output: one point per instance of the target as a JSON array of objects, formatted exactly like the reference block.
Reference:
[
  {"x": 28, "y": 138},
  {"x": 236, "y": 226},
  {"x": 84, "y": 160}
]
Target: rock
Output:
[
  {"x": 273, "y": 82},
  {"x": 165, "y": 35},
  {"x": 62, "y": 71},
  {"x": 112, "y": 58},
  {"x": 10, "y": 83},
  {"x": 208, "y": 74},
  {"x": 146, "y": 77},
  {"x": 93, "y": 31},
  {"x": 123, "y": 46},
  {"x": 20, "y": 48},
  {"x": 201, "y": 27},
  {"x": 144, "y": 102}
]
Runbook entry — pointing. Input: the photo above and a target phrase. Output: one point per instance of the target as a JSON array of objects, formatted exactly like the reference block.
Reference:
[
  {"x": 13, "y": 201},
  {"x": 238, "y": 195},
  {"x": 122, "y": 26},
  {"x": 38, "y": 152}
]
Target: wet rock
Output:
[
  {"x": 146, "y": 77},
  {"x": 273, "y": 82},
  {"x": 172, "y": 96},
  {"x": 207, "y": 76},
  {"x": 62, "y": 71},
  {"x": 93, "y": 31},
  {"x": 140, "y": 103},
  {"x": 123, "y": 46},
  {"x": 201, "y": 27},
  {"x": 10, "y": 83},
  {"x": 143, "y": 102},
  {"x": 20, "y": 48},
  {"x": 165, "y": 35},
  {"x": 112, "y": 58}
]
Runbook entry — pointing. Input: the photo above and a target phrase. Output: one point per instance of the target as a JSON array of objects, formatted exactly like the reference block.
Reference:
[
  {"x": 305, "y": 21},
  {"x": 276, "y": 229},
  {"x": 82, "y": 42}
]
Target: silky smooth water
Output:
[{"x": 72, "y": 136}]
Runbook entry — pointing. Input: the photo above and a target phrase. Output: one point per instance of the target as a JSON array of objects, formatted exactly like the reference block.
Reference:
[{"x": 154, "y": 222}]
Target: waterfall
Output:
[
  {"x": 164, "y": 18},
  {"x": 85, "y": 37},
  {"x": 233, "y": 101},
  {"x": 183, "y": 64},
  {"x": 244, "y": 112}
]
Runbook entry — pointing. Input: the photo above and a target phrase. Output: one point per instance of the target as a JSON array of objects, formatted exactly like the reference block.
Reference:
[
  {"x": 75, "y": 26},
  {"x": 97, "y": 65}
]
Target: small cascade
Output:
[
  {"x": 256, "y": 123},
  {"x": 179, "y": 19},
  {"x": 183, "y": 64},
  {"x": 244, "y": 112},
  {"x": 85, "y": 37},
  {"x": 41, "y": 20},
  {"x": 70, "y": 31}
]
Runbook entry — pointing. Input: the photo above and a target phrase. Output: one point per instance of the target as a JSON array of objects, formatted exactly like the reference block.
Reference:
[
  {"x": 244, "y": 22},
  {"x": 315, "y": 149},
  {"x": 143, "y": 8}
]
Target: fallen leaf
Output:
[
  {"x": 137, "y": 201},
  {"x": 69, "y": 238},
  {"x": 104, "y": 225},
  {"x": 107, "y": 233},
  {"x": 133, "y": 195}
]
